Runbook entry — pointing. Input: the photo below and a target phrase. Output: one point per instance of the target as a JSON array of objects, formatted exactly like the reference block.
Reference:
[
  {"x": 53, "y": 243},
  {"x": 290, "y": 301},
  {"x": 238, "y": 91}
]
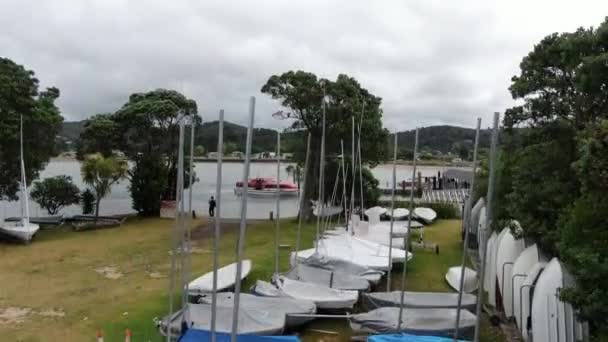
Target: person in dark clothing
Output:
[{"x": 212, "y": 205}]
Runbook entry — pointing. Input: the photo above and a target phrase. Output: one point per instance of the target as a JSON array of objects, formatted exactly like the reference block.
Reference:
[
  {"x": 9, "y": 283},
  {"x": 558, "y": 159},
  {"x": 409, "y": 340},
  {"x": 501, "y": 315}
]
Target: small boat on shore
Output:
[
  {"x": 427, "y": 215},
  {"x": 225, "y": 279},
  {"x": 453, "y": 279},
  {"x": 42, "y": 220},
  {"x": 267, "y": 187},
  {"x": 297, "y": 312},
  {"x": 436, "y": 322},
  {"x": 418, "y": 300},
  {"x": 322, "y": 296}
]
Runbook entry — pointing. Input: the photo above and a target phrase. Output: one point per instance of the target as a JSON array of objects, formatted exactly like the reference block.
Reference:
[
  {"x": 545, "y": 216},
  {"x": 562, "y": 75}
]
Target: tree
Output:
[
  {"x": 20, "y": 96},
  {"x": 230, "y": 147},
  {"x": 98, "y": 136},
  {"x": 199, "y": 150},
  {"x": 101, "y": 173},
  {"x": 584, "y": 230},
  {"x": 148, "y": 182},
  {"x": 55, "y": 193},
  {"x": 558, "y": 165},
  {"x": 301, "y": 94},
  {"x": 87, "y": 202}
]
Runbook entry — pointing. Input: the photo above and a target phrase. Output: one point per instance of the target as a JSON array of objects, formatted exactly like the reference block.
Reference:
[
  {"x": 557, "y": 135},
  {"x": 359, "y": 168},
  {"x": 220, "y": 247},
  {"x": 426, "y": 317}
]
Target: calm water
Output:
[{"x": 119, "y": 200}]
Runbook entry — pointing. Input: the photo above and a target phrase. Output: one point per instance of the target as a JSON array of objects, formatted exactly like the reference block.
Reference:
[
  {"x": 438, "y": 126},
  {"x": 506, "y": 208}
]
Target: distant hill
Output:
[
  {"x": 443, "y": 139},
  {"x": 70, "y": 130}
]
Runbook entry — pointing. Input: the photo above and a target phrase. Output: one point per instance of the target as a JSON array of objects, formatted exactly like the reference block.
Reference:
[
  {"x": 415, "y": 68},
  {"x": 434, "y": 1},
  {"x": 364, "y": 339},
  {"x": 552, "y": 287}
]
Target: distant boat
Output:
[
  {"x": 23, "y": 229},
  {"x": 267, "y": 187}
]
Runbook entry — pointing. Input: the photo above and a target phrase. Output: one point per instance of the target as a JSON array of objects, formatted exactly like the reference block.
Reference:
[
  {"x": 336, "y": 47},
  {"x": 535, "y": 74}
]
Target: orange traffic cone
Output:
[
  {"x": 127, "y": 335},
  {"x": 99, "y": 336}
]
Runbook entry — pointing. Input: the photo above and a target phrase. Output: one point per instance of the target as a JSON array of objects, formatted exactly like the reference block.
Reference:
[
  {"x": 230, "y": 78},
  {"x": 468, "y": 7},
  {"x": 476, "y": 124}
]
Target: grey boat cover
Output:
[
  {"x": 323, "y": 297},
  {"x": 251, "y": 321},
  {"x": 432, "y": 300},
  {"x": 331, "y": 279},
  {"x": 436, "y": 322},
  {"x": 342, "y": 266},
  {"x": 285, "y": 305}
]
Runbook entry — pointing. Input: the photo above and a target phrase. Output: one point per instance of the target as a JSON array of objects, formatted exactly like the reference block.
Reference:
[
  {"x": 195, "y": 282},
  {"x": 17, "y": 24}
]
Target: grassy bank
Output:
[{"x": 55, "y": 277}]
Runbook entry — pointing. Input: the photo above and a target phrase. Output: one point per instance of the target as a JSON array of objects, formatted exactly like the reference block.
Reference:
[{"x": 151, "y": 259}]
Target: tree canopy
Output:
[
  {"x": 301, "y": 94},
  {"x": 55, "y": 193},
  {"x": 552, "y": 177},
  {"x": 146, "y": 130},
  {"x": 20, "y": 96},
  {"x": 101, "y": 173}
]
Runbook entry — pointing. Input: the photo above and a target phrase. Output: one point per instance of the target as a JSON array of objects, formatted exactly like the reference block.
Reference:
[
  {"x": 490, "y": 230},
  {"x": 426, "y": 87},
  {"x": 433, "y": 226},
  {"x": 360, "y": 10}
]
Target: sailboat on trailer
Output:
[{"x": 23, "y": 229}]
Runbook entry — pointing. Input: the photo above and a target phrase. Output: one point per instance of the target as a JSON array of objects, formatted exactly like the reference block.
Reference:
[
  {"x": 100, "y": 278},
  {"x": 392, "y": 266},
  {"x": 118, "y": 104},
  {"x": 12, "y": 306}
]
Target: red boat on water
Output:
[{"x": 267, "y": 187}]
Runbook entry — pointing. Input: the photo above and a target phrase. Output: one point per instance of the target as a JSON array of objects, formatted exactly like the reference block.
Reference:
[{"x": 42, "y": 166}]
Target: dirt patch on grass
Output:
[
  {"x": 110, "y": 272},
  {"x": 51, "y": 313},
  {"x": 13, "y": 315},
  {"x": 156, "y": 275}
]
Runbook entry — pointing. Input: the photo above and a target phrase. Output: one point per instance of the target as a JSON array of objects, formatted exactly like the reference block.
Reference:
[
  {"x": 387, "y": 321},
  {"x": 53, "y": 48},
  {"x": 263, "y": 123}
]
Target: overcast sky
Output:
[{"x": 432, "y": 62}]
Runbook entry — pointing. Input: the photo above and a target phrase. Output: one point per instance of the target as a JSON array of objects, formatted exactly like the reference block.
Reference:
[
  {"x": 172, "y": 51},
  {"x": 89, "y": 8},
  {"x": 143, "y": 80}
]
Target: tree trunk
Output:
[{"x": 97, "y": 200}]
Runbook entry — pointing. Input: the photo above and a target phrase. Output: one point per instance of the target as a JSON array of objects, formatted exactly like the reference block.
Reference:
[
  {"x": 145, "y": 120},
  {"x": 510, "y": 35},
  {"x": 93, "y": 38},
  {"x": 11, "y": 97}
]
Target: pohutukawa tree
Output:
[
  {"x": 301, "y": 94},
  {"x": 146, "y": 130},
  {"x": 20, "y": 96}
]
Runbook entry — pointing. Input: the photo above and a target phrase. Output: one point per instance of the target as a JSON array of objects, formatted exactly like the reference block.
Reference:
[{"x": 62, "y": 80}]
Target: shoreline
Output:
[{"x": 434, "y": 162}]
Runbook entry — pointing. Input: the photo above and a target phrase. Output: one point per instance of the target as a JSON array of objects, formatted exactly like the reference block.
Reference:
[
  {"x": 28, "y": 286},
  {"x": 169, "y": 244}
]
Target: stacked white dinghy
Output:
[
  {"x": 552, "y": 319},
  {"x": 508, "y": 250},
  {"x": 526, "y": 270}
]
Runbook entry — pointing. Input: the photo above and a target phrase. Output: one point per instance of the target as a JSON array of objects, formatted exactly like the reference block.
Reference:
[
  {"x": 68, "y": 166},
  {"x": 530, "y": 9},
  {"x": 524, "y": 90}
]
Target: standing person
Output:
[{"x": 212, "y": 205}]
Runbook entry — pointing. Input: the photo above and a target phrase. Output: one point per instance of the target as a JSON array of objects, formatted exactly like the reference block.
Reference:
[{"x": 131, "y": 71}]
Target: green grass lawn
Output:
[{"x": 57, "y": 271}]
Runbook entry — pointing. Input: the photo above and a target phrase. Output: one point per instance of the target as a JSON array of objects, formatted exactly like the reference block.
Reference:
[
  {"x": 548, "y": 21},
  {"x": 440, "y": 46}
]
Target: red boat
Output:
[{"x": 267, "y": 187}]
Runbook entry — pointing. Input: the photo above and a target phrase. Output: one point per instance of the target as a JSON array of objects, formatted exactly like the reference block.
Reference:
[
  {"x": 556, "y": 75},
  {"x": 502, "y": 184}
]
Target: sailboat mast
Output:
[
  {"x": 407, "y": 233},
  {"x": 321, "y": 174},
  {"x": 390, "y": 235},
  {"x": 301, "y": 214},
  {"x": 278, "y": 204},
  {"x": 361, "y": 168},
  {"x": 354, "y": 170},
  {"x": 489, "y": 218},
  {"x": 25, "y": 201},
  {"x": 216, "y": 232},
  {"x": 344, "y": 185},
  {"x": 175, "y": 236},
  {"x": 243, "y": 224},
  {"x": 466, "y": 236}
]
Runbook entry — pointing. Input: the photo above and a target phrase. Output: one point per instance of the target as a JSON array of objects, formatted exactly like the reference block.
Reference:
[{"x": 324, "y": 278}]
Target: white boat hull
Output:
[
  {"x": 17, "y": 231},
  {"x": 225, "y": 279},
  {"x": 470, "y": 279}
]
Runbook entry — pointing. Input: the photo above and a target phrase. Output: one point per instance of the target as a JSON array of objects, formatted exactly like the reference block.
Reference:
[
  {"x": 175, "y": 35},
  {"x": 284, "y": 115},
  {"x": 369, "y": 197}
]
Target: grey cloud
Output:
[{"x": 433, "y": 62}]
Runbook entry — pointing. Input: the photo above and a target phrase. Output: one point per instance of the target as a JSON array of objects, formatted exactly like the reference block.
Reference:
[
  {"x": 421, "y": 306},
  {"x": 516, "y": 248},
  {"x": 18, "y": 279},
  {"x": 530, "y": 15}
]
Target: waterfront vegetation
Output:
[{"x": 67, "y": 273}]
